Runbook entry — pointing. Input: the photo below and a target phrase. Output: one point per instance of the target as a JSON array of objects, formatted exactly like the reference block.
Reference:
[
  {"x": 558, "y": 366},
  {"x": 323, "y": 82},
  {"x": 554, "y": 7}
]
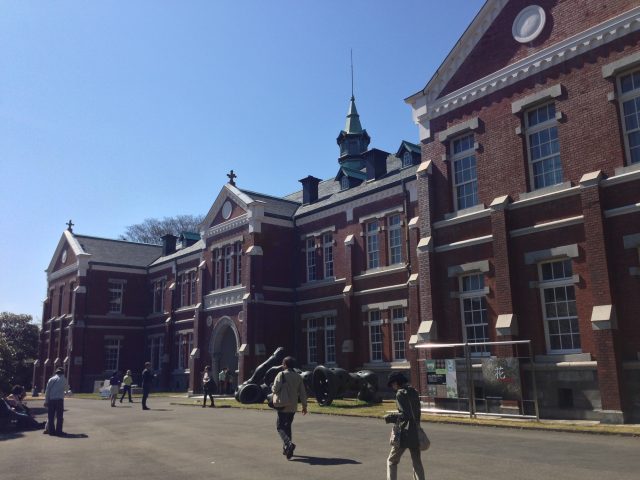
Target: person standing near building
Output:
[
  {"x": 147, "y": 380},
  {"x": 114, "y": 387},
  {"x": 54, "y": 401},
  {"x": 408, "y": 418},
  {"x": 291, "y": 381},
  {"x": 208, "y": 387},
  {"x": 222, "y": 381},
  {"x": 126, "y": 386}
]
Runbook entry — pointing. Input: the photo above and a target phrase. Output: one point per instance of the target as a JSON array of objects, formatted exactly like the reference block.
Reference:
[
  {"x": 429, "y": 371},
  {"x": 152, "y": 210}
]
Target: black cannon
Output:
[
  {"x": 255, "y": 389},
  {"x": 331, "y": 383}
]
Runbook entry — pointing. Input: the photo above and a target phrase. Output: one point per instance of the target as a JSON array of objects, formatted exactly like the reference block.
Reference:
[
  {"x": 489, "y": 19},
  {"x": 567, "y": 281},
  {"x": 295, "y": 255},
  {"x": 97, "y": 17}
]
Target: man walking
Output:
[
  {"x": 147, "y": 379},
  {"x": 126, "y": 386},
  {"x": 291, "y": 381},
  {"x": 54, "y": 401}
]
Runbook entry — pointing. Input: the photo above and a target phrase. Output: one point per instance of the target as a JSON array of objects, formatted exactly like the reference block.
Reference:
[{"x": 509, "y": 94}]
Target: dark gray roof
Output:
[
  {"x": 412, "y": 147},
  {"x": 196, "y": 247},
  {"x": 119, "y": 252},
  {"x": 277, "y": 205}
]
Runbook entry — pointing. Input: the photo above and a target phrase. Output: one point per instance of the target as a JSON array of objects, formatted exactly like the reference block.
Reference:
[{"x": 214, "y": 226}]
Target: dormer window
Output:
[
  {"x": 407, "y": 160},
  {"x": 344, "y": 183}
]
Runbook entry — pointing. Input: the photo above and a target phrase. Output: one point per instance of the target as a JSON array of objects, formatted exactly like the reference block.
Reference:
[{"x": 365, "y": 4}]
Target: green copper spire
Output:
[{"x": 353, "y": 119}]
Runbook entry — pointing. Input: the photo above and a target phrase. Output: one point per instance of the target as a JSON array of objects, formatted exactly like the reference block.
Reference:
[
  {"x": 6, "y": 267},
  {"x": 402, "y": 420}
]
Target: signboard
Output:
[
  {"x": 502, "y": 378},
  {"x": 442, "y": 378}
]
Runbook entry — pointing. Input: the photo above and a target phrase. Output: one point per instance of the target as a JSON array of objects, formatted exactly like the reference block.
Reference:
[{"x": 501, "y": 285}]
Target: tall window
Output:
[
  {"x": 330, "y": 339},
  {"x": 375, "y": 335},
  {"x": 116, "y": 289},
  {"x": 158, "y": 296},
  {"x": 184, "y": 345},
  {"x": 465, "y": 175},
  {"x": 183, "y": 281},
  {"x": 193, "y": 278},
  {"x": 629, "y": 86},
  {"x": 344, "y": 183},
  {"x": 373, "y": 254},
  {"x": 473, "y": 307},
  {"x": 238, "y": 263},
  {"x": 557, "y": 293},
  {"x": 543, "y": 146},
  {"x": 111, "y": 354},
  {"x": 327, "y": 254},
  {"x": 399, "y": 322},
  {"x": 60, "y": 299},
  {"x": 217, "y": 267},
  {"x": 312, "y": 340},
  {"x": 228, "y": 266},
  {"x": 156, "y": 351},
  {"x": 395, "y": 240},
  {"x": 311, "y": 259}
]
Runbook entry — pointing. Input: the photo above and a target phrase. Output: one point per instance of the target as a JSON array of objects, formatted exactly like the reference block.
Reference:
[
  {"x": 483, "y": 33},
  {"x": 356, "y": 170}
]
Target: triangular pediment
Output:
[
  {"x": 66, "y": 252},
  {"x": 229, "y": 204}
]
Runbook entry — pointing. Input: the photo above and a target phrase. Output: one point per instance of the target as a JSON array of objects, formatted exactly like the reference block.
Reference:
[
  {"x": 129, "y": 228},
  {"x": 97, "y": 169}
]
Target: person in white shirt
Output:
[{"x": 54, "y": 401}]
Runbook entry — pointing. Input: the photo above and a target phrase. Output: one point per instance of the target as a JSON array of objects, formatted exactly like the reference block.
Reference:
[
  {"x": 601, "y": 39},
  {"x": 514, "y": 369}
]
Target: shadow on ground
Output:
[
  {"x": 10, "y": 436},
  {"x": 324, "y": 461}
]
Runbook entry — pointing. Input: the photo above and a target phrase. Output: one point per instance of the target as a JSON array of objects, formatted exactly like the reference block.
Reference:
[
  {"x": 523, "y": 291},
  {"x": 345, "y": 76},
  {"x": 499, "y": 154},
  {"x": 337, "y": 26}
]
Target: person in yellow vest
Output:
[{"x": 126, "y": 386}]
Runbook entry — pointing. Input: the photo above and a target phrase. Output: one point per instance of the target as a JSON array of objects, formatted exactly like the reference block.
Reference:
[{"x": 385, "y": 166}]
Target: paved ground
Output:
[{"x": 173, "y": 441}]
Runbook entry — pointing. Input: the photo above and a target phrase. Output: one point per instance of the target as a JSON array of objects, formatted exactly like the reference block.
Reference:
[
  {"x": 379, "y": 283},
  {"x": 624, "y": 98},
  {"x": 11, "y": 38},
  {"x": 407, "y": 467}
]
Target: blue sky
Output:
[{"x": 115, "y": 111}]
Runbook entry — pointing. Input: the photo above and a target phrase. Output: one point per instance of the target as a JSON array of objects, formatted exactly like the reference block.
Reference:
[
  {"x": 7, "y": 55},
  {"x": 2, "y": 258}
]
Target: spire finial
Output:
[
  {"x": 352, "y": 73},
  {"x": 232, "y": 176},
  {"x": 69, "y": 225}
]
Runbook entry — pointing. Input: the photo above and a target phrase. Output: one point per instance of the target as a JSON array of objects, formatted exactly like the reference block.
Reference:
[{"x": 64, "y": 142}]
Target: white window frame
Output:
[
  {"x": 373, "y": 248},
  {"x": 116, "y": 295},
  {"x": 158, "y": 295},
  {"x": 184, "y": 341},
  {"x": 563, "y": 282},
  {"x": 156, "y": 351},
  {"x": 111, "y": 345},
  {"x": 330, "y": 340},
  {"x": 344, "y": 183},
  {"x": 217, "y": 267},
  {"x": 238, "y": 263},
  {"x": 407, "y": 159},
  {"x": 399, "y": 333},
  {"x": 310, "y": 256},
  {"x": 456, "y": 159},
  {"x": 327, "y": 254},
  {"x": 193, "y": 282},
  {"x": 312, "y": 340},
  {"x": 626, "y": 97},
  {"x": 471, "y": 295},
  {"x": 535, "y": 129},
  {"x": 228, "y": 266},
  {"x": 376, "y": 355},
  {"x": 395, "y": 239}
]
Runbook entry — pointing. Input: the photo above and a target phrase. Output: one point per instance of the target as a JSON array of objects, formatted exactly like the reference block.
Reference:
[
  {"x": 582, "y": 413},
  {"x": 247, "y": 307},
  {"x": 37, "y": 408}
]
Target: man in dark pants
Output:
[
  {"x": 291, "y": 381},
  {"x": 54, "y": 401},
  {"x": 147, "y": 379}
]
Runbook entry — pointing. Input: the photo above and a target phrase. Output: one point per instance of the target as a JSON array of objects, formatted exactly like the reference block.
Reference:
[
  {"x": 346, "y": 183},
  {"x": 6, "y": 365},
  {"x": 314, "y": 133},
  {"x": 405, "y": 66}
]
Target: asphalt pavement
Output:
[{"x": 176, "y": 442}]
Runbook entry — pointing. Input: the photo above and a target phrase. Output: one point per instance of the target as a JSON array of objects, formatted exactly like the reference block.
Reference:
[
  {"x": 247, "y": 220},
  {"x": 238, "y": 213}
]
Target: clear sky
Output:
[{"x": 115, "y": 111}]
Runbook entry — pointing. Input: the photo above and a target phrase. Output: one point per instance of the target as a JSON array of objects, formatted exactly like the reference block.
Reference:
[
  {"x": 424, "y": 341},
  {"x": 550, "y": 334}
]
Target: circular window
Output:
[
  {"x": 209, "y": 321},
  {"x": 529, "y": 24},
  {"x": 226, "y": 210},
  {"x": 64, "y": 256}
]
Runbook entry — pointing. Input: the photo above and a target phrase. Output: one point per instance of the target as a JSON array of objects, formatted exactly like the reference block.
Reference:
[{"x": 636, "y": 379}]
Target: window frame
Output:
[
  {"x": 392, "y": 230},
  {"x": 566, "y": 282},
  {"x": 375, "y": 324},
  {"x": 312, "y": 346},
  {"x": 622, "y": 98},
  {"x": 327, "y": 255},
  {"x": 238, "y": 250},
  {"x": 310, "y": 259},
  {"x": 108, "y": 348},
  {"x": 372, "y": 240},
  {"x": 399, "y": 324},
  {"x": 459, "y": 157},
  {"x": 407, "y": 159},
  {"x": 530, "y": 130},
  {"x": 330, "y": 332},
  {"x": 472, "y": 294},
  {"x": 120, "y": 298}
]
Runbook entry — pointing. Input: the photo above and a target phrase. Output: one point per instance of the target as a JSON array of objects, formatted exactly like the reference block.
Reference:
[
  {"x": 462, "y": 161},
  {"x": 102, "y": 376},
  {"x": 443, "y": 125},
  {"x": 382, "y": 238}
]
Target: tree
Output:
[
  {"x": 18, "y": 349},
  {"x": 152, "y": 229}
]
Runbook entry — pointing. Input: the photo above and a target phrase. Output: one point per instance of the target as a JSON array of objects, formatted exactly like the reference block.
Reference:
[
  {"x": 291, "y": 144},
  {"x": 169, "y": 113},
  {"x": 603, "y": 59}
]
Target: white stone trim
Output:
[
  {"x": 384, "y": 305},
  {"x": 571, "y": 251},
  {"x": 525, "y": 103},
  {"x": 543, "y": 195},
  {"x": 381, "y": 215},
  {"x": 321, "y": 299},
  {"x": 224, "y": 297},
  {"x": 463, "y": 127},
  {"x": 107, "y": 268},
  {"x": 541, "y": 227},
  {"x": 254, "y": 250},
  {"x": 322, "y": 314},
  {"x": 63, "y": 272},
  {"x": 463, "y": 216},
  {"x": 376, "y": 272},
  {"x": 625, "y": 174},
  {"x": 228, "y": 241},
  {"x": 457, "y": 270},
  {"x": 318, "y": 233},
  {"x": 614, "y": 68},
  {"x": 236, "y": 222},
  {"x": 464, "y": 243},
  {"x": 388, "y": 288},
  {"x": 627, "y": 209},
  {"x": 320, "y": 283}
]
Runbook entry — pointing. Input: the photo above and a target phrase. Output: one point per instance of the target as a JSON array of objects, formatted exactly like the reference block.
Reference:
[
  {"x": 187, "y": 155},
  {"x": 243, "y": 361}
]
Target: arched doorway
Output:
[{"x": 223, "y": 347}]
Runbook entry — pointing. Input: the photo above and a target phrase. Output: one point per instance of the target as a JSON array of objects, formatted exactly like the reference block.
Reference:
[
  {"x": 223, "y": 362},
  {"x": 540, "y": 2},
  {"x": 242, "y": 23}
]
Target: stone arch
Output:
[{"x": 224, "y": 345}]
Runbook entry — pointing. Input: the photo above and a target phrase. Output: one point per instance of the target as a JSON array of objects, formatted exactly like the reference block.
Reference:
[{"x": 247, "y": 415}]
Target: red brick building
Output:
[
  {"x": 325, "y": 272},
  {"x": 529, "y": 196}
]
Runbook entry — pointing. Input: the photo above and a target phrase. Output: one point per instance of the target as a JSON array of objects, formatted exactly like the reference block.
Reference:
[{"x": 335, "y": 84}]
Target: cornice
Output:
[
  {"x": 223, "y": 227},
  {"x": 560, "y": 52},
  {"x": 63, "y": 272}
]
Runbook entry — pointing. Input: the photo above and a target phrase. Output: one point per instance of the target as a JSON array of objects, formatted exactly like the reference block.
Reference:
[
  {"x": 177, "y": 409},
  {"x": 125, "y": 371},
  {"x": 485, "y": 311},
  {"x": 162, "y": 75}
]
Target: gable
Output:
[
  {"x": 67, "y": 247},
  {"x": 230, "y": 203}
]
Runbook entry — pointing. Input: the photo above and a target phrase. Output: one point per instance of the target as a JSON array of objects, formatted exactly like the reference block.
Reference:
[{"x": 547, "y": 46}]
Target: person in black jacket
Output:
[
  {"x": 408, "y": 418},
  {"x": 147, "y": 379}
]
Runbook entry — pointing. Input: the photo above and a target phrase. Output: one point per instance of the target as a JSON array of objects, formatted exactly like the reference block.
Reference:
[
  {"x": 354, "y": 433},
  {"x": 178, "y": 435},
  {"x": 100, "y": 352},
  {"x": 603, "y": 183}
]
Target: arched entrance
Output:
[{"x": 223, "y": 347}]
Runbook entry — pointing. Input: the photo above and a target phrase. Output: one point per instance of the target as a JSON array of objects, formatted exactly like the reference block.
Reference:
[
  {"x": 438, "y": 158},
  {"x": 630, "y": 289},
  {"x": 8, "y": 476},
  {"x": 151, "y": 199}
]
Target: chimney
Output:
[
  {"x": 168, "y": 244},
  {"x": 376, "y": 164},
  {"x": 309, "y": 189}
]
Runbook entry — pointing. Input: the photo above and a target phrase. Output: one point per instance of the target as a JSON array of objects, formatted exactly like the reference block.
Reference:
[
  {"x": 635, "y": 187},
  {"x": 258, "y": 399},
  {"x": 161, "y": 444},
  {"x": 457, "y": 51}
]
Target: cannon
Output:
[
  {"x": 255, "y": 389},
  {"x": 331, "y": 383}
]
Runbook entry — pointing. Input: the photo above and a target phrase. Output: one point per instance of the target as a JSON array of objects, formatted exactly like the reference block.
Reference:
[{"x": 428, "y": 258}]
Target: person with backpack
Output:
[{"x": 288, "y": 388}]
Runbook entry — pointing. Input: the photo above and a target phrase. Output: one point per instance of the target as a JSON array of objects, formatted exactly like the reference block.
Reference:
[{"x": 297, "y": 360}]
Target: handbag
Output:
[
  {"x": 281, "y": 399},
  {"x": 423, "y": 440}
]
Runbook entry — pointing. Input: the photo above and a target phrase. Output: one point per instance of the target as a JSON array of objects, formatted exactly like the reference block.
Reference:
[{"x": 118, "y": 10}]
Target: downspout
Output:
[
  {"x": 405, "y": 206},
  {"x": 295, "y": 289}
]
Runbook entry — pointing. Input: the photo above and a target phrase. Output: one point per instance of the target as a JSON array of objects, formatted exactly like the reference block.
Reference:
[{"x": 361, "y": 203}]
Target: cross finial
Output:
[
  {"x": 69, "y": 225},
  {"x": 352, "y": 73},
  {"x": 232, "y": 176}
]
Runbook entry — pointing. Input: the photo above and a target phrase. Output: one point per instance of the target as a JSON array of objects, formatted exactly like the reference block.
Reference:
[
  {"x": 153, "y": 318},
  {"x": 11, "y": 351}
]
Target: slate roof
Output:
[
  {"x": 284, "y": 206},
  {"x": 118, "y": 252},
  {"x": 196, "y": 247}
]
